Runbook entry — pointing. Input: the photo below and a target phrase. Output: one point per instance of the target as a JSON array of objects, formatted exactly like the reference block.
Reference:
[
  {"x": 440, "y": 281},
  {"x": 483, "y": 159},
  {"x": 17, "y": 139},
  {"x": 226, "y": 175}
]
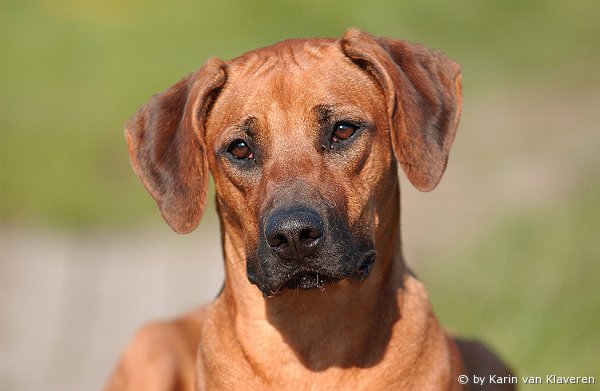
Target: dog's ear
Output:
[
  {"x": 166, "y": 145},
  {"x": 423, "y": 97}
]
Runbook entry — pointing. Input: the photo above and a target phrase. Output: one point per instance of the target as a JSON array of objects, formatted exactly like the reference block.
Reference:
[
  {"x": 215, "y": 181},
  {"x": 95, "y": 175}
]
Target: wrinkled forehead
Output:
[{"x": 291, "y": 81}]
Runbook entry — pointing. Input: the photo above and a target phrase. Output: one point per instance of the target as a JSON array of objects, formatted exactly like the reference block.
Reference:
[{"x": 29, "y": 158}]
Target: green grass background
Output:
[
  {"x": 529, "y": 287},
  {"x": 73, "y": 71}
]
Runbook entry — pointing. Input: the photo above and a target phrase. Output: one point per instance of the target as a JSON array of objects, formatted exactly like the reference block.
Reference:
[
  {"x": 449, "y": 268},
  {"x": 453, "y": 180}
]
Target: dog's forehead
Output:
[
  {"x": 287, "y": 81},
  {"x": 292, "y": 56}
]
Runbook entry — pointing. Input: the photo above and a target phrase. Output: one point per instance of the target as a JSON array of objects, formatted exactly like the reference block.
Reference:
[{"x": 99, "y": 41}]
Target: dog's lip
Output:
[
  {"x": 295, "y": 280},
  {"x": 310, "y": 280},
  {"x": 365, "y": 267}
]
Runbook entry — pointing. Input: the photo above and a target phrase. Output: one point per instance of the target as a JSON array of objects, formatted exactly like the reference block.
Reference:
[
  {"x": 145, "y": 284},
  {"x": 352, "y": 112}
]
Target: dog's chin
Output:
[{"x": 307, "y": 279}]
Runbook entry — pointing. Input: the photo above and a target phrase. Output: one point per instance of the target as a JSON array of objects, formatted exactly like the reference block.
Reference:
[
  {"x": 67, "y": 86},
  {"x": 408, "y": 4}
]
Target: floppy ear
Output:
[
  {"x": 423, "y": 96},
  {"x": 166, "y": 145}
]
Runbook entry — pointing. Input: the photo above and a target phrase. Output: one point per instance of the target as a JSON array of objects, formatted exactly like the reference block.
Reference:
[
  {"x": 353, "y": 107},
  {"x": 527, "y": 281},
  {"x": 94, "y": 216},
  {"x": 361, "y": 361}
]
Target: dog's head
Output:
[{"x": 303, "y": 139}]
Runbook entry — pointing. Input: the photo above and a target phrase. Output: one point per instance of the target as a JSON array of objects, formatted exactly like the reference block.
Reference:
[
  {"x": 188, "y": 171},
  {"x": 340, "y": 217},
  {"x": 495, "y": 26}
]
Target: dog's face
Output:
[
  {"x": 298, "y": 144},
  {"x": 302, "y": 139}
]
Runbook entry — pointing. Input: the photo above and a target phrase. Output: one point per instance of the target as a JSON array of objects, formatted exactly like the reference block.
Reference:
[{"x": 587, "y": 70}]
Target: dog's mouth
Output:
[{"x": 311, "y": 279}]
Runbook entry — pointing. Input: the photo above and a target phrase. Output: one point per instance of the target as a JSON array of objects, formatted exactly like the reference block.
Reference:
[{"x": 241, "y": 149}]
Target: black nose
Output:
[{"x": 294, "y": 234}]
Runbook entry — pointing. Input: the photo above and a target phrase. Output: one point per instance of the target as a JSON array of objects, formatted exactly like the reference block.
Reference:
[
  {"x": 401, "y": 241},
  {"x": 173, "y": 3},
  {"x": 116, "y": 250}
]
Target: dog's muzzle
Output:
[{"x": 300, "y": 249}]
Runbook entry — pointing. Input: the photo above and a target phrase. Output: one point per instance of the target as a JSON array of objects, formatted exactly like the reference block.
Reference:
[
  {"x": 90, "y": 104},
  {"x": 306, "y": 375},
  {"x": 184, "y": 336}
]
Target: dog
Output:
[{"x": 303, "y": 140}]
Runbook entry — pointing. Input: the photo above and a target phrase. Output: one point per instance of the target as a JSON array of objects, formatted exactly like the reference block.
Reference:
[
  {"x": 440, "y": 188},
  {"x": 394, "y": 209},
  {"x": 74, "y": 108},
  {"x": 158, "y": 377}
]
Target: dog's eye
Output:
[
  {"x": 240, "y": 150},
  {"x": 342, "y": 131}
]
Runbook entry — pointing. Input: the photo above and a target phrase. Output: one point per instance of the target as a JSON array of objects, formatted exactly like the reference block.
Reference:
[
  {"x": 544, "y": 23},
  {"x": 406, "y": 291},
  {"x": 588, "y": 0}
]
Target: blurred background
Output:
[{"x": 508, "y": 244}]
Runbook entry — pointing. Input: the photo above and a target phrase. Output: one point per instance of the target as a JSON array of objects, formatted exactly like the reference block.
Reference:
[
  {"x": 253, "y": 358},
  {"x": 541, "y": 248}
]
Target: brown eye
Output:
[
  {"x": 342, "y": 132},
  {"x": 240, "y": 150}
]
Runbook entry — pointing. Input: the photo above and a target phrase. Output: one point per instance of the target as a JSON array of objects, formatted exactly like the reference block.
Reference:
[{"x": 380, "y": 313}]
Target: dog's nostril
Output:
[
  {"x": 277, "y": 240},
  {"x": 310, "y": 235}
]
